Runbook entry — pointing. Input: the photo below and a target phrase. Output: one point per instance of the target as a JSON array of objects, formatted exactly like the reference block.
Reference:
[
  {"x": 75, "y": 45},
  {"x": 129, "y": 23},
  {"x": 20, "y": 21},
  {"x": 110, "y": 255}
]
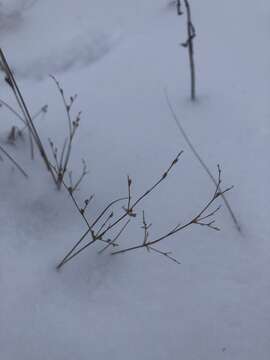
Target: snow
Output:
[{"x": 119, "y": 59}]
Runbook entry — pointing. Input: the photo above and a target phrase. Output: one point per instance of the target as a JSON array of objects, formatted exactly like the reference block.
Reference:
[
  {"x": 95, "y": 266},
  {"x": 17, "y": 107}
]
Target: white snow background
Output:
[{"x": 118, "y": 57}]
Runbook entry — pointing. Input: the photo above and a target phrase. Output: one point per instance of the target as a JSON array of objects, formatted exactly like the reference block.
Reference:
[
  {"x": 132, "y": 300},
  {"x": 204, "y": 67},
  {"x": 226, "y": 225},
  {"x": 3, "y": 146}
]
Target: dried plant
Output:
[
  {"x": 200, "y": 160},
  {"x": 110, "y": 223},
  {"x": 203, "y": 218},
  {"x": 15, "y": 131},
  {"x": 102, "y": 228},
  {"x": 191, "y": 34},
  {"x": 61, "y": 161},
  {"x": 178, "y": 7},
  {"x": 13, "y": 161},
  {"x": 25, "y": 114},
  {"x": 58, "y": 168}
]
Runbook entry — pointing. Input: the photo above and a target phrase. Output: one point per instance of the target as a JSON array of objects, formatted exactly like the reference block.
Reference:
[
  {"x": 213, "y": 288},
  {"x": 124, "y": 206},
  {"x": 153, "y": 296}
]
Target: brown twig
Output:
[
  {"x": 90, "y": 227},
  {"x": 167, "y": 254},
  {"x": 198, "y": 219},
  {"x": 72, "y": 127},
  {"x": 83, "y": 174},
  {"x": 113, "y": 241},
  {"x": 191, "y": 34},
  {"x": 129, "y": 212},
  {"x": 26, "y": 114}
]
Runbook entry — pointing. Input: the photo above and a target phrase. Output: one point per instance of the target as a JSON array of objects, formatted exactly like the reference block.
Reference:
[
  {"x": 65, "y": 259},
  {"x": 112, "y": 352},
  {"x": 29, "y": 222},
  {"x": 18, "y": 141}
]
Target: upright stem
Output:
[
  {"x": 26, "y": 114},
  {"x": 178, "y": 6},
  {"x": 189, "y": 44}
]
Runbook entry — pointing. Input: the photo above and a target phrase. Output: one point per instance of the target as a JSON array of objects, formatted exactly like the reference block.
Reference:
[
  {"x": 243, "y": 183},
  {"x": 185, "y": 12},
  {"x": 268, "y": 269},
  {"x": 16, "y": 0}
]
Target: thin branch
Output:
[
  {"x": 28, "y": 119},
  {"x": 196, "y": 220},
  {"x": 71, "y": 255},
  {"x": 191, "y": 34},
  {"x": 129, "y": 192},
  {"x": 145, "y": 228},
  {"x": 109, "y": 217},
  {"x": 90, "y": 227},
  {"x": 14, "y": 162},
  {"x": 113, "y": 242},
  {"x": 128, "y": 212},
  {"x": 72, "y": 126},
  {"x": 166, "y": 254},
  {"x": 199, "y": 158},
  {"x": 146, "y": 193},
  {"x": 179, "y": 7},
  {"x": 163, "y": 177},
  {"x": 13, "y": 111},
  {"x": 83, "y": 174},
  {"x": 87, "y": 203}
]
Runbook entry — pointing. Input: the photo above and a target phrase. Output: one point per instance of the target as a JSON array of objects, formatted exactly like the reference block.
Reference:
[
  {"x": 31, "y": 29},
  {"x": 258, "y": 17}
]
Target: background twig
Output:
[{"x": 199, "y": 158}]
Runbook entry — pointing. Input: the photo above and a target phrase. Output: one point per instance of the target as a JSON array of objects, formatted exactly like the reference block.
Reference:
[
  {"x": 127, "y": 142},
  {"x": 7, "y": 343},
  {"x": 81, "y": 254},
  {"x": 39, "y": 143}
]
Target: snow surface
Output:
[{"x": 119, "y": 58}]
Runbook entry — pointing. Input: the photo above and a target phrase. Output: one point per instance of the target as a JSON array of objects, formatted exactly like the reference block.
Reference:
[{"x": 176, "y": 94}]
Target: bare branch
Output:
[
  {"x": 83, "y": 174},
  {"x": 26, "y": 114},
  {"x": 99, "y": 234},
  {"x": 13, "y": 111},
  {"x": 14, "y": 162},
  {"x": 196, "y": 220},
  {"x": 166, "y": 254},
  {"x": 113, "y": 242},
  {"x": 67, "y": 147}
]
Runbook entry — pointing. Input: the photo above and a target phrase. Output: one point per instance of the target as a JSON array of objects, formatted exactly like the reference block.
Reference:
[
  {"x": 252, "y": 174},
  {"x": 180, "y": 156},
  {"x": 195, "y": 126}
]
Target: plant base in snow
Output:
[{"x": 191, "y": 34}]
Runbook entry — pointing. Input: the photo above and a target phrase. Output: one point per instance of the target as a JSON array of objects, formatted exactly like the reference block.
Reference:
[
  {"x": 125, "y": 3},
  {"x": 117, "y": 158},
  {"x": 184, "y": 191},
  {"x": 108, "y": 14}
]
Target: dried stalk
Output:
[
  {"x": 99, "y": 234},
  {"x": 191, "y": 34},
  {"x": 60, "y": 167},
  {"x": 178, "y": 7},
  {"x": 62, "y": 164},
  {"x": 198, "y": 219},
  {"x": 199, "y": 158},
  {"x": 33, "y": 133},
  {"x": 14, "y": 162}
]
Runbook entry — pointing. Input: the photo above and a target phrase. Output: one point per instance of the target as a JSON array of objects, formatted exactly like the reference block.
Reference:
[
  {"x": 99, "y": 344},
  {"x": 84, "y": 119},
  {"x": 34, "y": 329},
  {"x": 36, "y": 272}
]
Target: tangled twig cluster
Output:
[{"x": 103, "y": 227}]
